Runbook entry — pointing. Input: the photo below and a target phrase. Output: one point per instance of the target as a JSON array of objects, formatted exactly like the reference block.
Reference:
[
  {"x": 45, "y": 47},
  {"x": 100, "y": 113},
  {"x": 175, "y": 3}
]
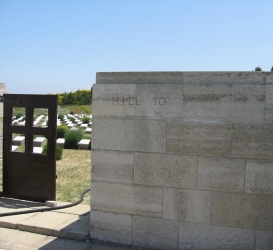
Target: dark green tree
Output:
[
  {"x": 258, "y": 69},
  {"x": 272, "y": 68}
]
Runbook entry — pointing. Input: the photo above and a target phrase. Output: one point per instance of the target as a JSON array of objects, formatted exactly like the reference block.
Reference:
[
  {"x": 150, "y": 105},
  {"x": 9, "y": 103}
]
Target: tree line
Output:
[
  {"x": 79, "y": 97},
  {"x": 260, "y": 69}
]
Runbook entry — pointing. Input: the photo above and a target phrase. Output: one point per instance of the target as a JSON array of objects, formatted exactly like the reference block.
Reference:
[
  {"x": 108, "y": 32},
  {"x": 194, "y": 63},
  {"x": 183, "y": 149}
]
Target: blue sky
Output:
[{"x": 52, "y": 46}]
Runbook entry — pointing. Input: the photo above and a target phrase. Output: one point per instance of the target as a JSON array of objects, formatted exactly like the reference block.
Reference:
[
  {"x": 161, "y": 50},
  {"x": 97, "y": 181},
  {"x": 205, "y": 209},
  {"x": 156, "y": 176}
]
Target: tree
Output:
[
  {"x": 258, "y": 69},
  {"x": 79, "y": 97},
  {"x": 272, "y": 68}
]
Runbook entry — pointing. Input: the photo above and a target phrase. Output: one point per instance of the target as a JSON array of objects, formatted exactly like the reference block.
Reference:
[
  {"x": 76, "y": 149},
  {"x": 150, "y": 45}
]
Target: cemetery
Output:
[
  {"x": 72, "y": 122},
  {"x": 180, "y": 160}
]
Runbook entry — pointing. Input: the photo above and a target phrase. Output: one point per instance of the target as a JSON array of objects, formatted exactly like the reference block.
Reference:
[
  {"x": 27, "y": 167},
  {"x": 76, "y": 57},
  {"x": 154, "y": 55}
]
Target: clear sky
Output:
[{"x": 52, "y": 46}]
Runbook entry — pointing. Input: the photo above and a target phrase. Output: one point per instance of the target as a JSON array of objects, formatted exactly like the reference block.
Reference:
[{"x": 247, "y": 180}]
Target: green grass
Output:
[
  {"x": 62, "y": 110},
  {"x": 73, "y": 172},
  {"x": 37, "y": 111},
  {"x": 40, "y": 111},
  {"x": 78, "y": 109}
]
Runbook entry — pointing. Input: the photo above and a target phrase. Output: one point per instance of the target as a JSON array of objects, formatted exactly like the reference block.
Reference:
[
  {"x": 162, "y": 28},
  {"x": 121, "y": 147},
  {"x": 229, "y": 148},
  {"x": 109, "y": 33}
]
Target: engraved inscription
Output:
[
  {"x": 125, "y": 101},
  {"x": 161, "y": 101}
]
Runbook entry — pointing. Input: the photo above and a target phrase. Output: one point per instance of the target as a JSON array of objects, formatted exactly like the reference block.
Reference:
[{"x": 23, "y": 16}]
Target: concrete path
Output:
[
  {"x": 72, "y": 223},
  {"x": 58, "y": 229},
  {"x": 11, "y": 239}
]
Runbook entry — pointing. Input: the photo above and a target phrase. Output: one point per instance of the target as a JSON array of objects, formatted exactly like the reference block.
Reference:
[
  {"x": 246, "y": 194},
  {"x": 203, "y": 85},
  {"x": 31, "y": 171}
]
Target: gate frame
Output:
[{"x": 42, "y": 186}]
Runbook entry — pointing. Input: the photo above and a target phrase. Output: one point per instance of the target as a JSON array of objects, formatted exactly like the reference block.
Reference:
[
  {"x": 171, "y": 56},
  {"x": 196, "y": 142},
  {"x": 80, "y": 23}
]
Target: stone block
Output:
[
  {"x": 60, "y": 142},
  {"x": 126, "y": 198},
  {"x": 139, "y": 77},
  {"x": 83, "y": 125},
  {"x": 165, "y": 170},
  {"x": 224, "y": 77},
  {"x": 269, "y": 77},
  {"x": 111, "y": 227},
  {"x": 37, "y": 150},
  {"x": 51, "y": 203},
  {"x": 264, "y": 240},
  {"x": 77, "y": 228},
  {"x": 155, "y": 233},
  {"x": 224, "y": 102},
  {"x": 84, "y": 144},
  {"x": 88, "y": 131},
  {"x": 39, "y": 118},
  {"x": 269, "y": 104},
  {"x": 114, "y": 100},
  {"x": 44, "y": 124},
  {"x": 259, "y": 177},
  {"x": 36, "y": 122},
  {"x": 44, "y": 223},
  {"x": 13, "y": 221},
  {"x": 208, "y": 139},
  {"x": 223, "y": 174},
  {"x": 243, "y": 210},
  {"x": 39, "y": 142},
  {"x": 14, "y": 122},
  {"x": 115, "y": 166},
  {"x": 129, "y": 135},
  {"x": 159, "y": 101},
  {"x": 252, "y": 141},
  {"x": 18, "y": 141},
  {"x": 247, "y": 103},
  {"x": 208, "y": 237},
  {"x": 70, "y": 125},
  {"x": 207, "y": 102},
  {"x": 187, "y": 205}
]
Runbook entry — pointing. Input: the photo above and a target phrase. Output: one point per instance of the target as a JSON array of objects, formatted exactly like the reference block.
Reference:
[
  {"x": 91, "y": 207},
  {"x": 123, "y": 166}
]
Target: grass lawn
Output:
[
  {"x": 73, "y": 172},
  {"x": 76, "y": 109}
]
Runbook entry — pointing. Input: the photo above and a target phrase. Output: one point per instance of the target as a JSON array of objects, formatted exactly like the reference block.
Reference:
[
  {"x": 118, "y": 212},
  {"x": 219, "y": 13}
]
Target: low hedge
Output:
[
  {"x": 59, "y": 152},
  {"x": 61, "y": 129},
  {"x": 72, "y": 137}
]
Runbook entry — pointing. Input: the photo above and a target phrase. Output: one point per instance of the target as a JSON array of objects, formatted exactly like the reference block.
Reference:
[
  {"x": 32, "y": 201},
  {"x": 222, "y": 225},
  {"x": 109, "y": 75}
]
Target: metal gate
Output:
[{"x": 29, "y": 175}]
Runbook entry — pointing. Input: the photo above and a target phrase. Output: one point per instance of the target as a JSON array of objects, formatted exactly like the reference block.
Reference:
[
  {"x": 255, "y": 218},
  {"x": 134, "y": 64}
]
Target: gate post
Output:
[{"x": 2, "y": 91}]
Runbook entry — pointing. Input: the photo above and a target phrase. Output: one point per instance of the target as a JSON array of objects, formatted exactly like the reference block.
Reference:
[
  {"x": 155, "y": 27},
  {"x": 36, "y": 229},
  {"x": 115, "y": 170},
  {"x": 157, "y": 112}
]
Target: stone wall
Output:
[
  {"x": 2, "y": 91},
  {"x": 183, "y": 160}
]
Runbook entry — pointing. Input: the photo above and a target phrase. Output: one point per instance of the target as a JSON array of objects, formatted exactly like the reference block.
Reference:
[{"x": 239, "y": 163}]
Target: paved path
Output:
[
  {"x": 59, "y": 229},
  {"x": 72, "y": 223},
  {"x": 11, "y": 239}
]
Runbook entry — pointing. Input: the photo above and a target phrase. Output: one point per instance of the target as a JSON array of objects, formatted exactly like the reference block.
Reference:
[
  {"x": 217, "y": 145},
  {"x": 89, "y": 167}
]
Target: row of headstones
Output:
[
  {"x": 77, "y": 122},
  {"x": 82, "y": 144},
  {"x": 36, "y": 150},
  {"x": 21, "y": 122},
  {"x": 39, "y": 142}
]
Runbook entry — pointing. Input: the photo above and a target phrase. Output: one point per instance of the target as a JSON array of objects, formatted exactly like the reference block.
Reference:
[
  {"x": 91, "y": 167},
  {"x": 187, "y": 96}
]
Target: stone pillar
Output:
[
  {"x": 2, "y": 91},
  {"x": 183, "y": 160}
]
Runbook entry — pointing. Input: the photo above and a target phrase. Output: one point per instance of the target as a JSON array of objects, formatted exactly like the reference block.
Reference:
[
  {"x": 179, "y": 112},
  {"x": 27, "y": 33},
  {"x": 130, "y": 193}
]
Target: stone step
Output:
[{"x": 72, "y": 223}]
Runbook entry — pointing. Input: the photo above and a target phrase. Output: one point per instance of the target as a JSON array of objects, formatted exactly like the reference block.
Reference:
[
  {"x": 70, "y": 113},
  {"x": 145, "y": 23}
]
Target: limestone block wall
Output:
[
  {"x": 183, "y": 160},
  {"x": 2, "y": 91}
]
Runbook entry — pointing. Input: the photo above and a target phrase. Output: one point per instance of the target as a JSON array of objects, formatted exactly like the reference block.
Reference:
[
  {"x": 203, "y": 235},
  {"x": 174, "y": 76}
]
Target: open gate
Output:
[{"x": 29, "y": 175}]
